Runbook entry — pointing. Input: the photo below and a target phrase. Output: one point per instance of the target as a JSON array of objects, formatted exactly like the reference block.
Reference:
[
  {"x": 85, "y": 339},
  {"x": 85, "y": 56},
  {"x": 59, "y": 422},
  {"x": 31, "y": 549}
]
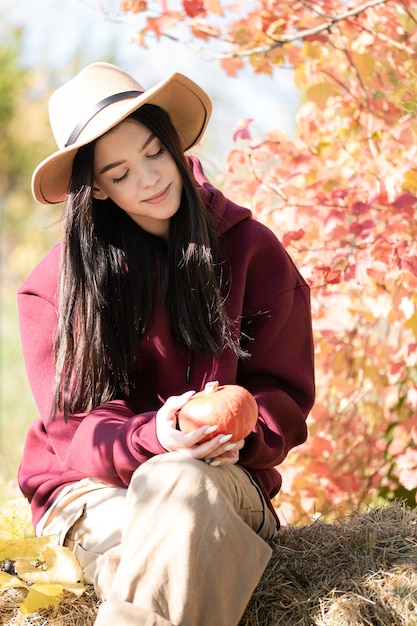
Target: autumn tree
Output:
[{"x": 341, "y": 196}]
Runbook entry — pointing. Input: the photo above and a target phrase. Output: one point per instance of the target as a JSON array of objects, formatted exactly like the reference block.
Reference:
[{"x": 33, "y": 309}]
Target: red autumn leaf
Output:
[
  {"x": 242, "y": 130},
  {"x": 321, "y": 468},
  {"x": 347, "y": 482},
  {"x": 360, "y": 207},
  {"x": 193, "y": 7},
  {"x": 321, "y": 445},
  {"x": 396, "y": 367},
  {"x": 405, "y": 200},
  {"x": 153, "y": 25},
  {"x": 409, "y": 263},
  {"x": 232, "y": 66},
  {"x": 362, "y": 229},
  {"x": 204, "y": 31},
  {"x": 411, "y": 348},
  {"x": 292, "y": 236},
  {"x": 331, "y": 276}
]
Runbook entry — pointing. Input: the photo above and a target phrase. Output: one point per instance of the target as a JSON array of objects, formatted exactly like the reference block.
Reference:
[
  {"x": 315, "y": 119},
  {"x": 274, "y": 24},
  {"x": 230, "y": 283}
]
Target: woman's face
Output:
[{"x": 132, "y": 167}]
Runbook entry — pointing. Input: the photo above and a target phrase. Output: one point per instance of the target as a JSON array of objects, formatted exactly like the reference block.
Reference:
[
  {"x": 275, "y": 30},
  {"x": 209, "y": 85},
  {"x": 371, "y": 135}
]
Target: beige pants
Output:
[{"x": 184, "y": 545}]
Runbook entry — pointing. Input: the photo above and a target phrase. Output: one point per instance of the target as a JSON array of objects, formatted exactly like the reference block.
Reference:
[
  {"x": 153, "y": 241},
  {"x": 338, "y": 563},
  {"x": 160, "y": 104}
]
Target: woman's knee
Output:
[
  {"x": 168, "y": 474},
  {"x": 177, "y": 479}
]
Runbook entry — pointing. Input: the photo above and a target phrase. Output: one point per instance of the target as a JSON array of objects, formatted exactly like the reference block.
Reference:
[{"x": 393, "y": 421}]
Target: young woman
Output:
[{"x": 160, "y": 284}]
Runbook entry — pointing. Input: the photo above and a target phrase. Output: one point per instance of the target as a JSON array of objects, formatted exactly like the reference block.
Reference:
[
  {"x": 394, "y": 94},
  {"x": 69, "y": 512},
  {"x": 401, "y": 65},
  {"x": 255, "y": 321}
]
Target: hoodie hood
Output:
[{"x": 225, "y": 213}]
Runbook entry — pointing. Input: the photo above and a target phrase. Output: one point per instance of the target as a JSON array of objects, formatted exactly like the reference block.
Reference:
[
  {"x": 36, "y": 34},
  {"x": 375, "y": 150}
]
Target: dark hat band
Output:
[{"x": 124, "y": 95}]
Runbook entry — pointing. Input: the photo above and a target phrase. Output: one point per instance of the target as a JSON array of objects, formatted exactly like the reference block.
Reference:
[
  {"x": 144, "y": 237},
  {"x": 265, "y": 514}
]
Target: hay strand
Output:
[{"x": 357, "y": 571}]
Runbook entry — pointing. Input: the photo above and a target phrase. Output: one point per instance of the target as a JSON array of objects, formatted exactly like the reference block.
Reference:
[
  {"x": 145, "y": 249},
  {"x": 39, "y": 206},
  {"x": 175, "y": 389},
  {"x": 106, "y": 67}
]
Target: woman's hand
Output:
[{"x": 217, "y": 451}]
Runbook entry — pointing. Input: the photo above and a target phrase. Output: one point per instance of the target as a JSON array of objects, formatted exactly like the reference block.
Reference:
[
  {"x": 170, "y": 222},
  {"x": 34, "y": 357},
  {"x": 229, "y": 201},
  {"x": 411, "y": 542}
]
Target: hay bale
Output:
[
  {"x": 357, "y": 571},
  {"x": 360, "y": 570},
  {"x": 72, "y": 610}
]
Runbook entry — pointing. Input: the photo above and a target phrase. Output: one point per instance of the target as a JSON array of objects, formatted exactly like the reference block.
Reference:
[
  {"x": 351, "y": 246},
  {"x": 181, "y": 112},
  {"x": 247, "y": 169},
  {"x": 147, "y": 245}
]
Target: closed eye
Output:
[
  {"x": 157, "y": 154},
  {"x": 119, "y": 180}
]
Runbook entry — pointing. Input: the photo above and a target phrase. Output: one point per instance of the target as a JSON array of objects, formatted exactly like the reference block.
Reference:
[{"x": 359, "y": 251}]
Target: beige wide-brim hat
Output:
[{"x": 97, "y": 99}]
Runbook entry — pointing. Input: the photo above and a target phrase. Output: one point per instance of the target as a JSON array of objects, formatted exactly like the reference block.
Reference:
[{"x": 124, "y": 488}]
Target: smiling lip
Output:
[{"x": 159, "y": 197}]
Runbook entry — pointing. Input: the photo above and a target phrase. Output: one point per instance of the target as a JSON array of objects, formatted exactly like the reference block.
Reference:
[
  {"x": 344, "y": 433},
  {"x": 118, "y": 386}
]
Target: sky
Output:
[{"x": 56, "y": 30}]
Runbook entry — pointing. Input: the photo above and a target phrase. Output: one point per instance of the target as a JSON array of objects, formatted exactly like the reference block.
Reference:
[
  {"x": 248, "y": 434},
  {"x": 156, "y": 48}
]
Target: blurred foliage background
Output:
[{"x": 27, "y": 230}]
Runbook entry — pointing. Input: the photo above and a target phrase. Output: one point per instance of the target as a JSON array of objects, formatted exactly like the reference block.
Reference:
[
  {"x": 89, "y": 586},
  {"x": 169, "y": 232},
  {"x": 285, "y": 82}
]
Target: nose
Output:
[{"x": 148, "y": 176}]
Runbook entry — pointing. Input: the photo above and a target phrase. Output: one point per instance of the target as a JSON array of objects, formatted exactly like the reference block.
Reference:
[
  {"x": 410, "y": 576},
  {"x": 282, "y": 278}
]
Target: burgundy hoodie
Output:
[{"x": 272, "y": 300}]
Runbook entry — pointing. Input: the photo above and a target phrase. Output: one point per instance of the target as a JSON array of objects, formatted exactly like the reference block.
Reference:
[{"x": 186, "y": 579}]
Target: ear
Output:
[{"x": 99, "y": 194}]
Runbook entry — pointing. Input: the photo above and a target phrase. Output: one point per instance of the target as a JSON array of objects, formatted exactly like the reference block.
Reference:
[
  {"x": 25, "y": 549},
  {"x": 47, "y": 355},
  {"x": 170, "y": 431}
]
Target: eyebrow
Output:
[{"x": 110, "y": 166}]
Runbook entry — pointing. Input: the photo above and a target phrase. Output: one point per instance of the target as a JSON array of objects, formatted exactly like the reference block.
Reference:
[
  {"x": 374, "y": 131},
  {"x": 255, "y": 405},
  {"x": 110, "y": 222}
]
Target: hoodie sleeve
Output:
[
  {"x": 280, "y": 369},
  {"x": 109, "y": 442}
]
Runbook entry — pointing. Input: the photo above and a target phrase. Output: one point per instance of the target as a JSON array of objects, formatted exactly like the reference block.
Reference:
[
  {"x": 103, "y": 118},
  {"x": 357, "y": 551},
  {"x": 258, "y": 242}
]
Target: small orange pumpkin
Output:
[{"x": 232, "y": 407}]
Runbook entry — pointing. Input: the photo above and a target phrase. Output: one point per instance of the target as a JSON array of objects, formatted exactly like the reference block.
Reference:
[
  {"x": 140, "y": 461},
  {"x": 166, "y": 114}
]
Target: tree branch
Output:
[
  {"x": 331, "y": 21},
  {"x": 390, "y": 41},
  {"x": 326, "y": 25},
  {"x": 284, "y": 39}
]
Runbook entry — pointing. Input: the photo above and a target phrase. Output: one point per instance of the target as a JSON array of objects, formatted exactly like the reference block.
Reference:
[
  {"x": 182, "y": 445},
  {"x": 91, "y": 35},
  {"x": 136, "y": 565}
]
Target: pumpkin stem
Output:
[{"x": 211, "y": 387}]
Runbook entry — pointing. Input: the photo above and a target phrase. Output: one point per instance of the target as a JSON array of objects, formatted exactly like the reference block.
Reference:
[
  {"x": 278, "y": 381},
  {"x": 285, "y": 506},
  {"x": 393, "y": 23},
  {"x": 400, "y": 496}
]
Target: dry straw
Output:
[{"x": 359, "y": 570}]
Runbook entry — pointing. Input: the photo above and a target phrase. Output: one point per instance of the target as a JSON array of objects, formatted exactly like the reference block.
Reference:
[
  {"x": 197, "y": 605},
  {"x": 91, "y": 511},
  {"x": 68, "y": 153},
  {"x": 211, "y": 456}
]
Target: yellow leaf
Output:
[
  {"x": 26, "y": 548},
  {"x": 276, "y": 28},
  {"x": 53, "y": 565},
  {"x": 299, "y": 76},
  {"x": 42, "y": 560},
  {"x": 365, "y": 66},
  {"x": 7, "y": 581},
  {"x": 410, "y": 181},
  {"x": 313, "y": 50},
  {"x": 77, "y": 588},
  {"x": 321, "y": 92},
  {"x": 41, "y": 597},
  {"x": 276, "y": 55},
  {"x": 412, "y": 324},
  {"x": 16, "y": 520}
]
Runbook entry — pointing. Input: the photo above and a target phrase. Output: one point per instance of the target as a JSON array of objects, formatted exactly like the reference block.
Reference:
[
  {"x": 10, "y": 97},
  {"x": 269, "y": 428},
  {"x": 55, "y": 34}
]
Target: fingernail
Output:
[
  {"x": 229, "y": 446},
  {"x": 215, "y": 463},
  {"x": 225, "y": 438},
  {"x": 208, "y": 461},
  {"x": 211, "y": 429}
]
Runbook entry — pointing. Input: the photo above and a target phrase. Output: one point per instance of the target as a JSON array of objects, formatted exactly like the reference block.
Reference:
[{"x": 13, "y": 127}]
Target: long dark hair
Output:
[{"x": 114, "y": 274}]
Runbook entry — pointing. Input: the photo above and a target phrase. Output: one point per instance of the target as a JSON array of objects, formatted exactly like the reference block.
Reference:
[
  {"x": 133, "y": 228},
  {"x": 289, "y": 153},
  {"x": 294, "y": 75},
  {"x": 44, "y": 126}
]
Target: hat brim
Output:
[{"x": 188, "y": 106}]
